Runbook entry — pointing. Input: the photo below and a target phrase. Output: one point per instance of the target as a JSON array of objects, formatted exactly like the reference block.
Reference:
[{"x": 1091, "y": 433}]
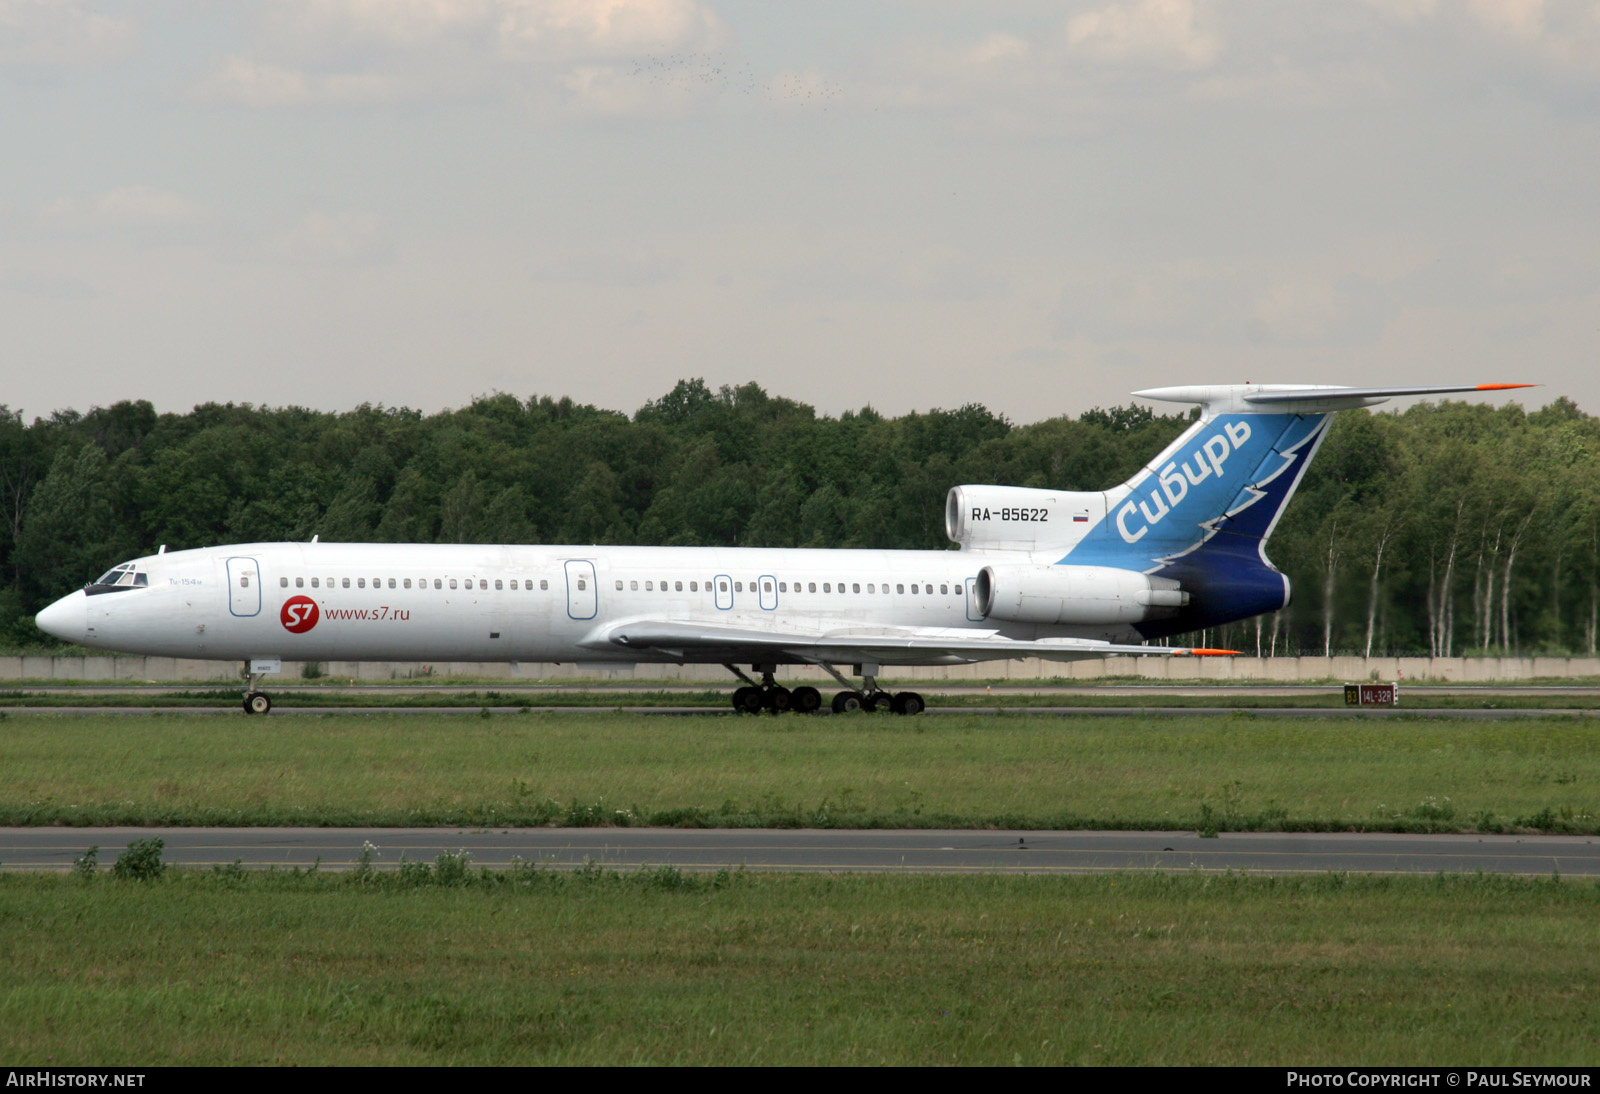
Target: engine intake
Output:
[{"x": 1018, "y": 518}]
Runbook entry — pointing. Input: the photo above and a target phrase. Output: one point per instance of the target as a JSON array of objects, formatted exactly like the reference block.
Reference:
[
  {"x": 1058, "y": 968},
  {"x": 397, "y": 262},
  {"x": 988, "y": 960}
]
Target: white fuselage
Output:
[{"x": 337, "y": 601}]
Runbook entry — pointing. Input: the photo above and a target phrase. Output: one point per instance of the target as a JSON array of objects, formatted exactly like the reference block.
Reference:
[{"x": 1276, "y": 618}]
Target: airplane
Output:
[{"x": 1053, "y": 574}]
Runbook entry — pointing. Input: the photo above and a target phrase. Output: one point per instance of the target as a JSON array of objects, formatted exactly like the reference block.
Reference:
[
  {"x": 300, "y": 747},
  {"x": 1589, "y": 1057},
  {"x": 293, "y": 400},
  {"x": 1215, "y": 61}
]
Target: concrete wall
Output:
[{"x": 1279, "y": 670}]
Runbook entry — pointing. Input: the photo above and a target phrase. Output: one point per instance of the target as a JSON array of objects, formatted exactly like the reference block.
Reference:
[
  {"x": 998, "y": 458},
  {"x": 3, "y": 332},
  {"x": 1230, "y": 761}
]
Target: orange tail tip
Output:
[
  {"x": 1209, "y": 653},
  {"x": 1502, "y": 387}
]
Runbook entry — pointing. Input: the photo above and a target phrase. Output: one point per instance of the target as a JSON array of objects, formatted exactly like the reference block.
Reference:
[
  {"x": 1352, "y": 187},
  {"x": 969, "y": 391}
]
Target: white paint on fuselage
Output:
[{"x": 191, "y": 606}]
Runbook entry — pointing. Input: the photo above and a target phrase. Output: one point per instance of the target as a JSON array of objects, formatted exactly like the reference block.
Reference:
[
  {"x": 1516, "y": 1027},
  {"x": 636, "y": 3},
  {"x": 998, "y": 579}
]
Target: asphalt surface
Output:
[
  {"x": 1472, "y": 713},
  {"x": 932, "y": 693},
  {"x": 840, "y": 851}
]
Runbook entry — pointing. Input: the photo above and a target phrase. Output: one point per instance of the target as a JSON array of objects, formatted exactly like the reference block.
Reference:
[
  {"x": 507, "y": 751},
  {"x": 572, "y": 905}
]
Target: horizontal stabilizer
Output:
[{"x": 1298, "y": 398}]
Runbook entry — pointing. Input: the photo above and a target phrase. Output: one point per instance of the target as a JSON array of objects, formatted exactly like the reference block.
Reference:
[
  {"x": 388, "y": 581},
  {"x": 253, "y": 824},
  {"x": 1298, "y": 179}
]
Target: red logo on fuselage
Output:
[{"x": 299, "y": 614}]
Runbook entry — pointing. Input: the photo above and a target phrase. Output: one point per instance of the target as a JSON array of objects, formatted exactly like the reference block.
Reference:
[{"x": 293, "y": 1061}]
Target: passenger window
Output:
[
  {"x": 871, "y": 588},
  {"x": 722, "y": 585},
  {"x": 391, "y": 583},
  {"x": 901, "y": 588},
  {"x": 452, "y": 583},
  {"x": 738, "y": 586},
  {"x": 855, "y": 586},
  {"x": 299, "y": 583},
  {"x": 677, "y": 586},
  {"x": 766, "y": 586},
  {"x": 497, "y": 585},
  {"x": 783, "y": 586},
  {"x": 346, "y": 583},
  {"x": 582, "y": 584},
  {"x": 544, "y": 583},
  {"x": 314, "y": 583},
  {"x": 633, "y": 585},
  {"x": 283, "y": 583},
  {"x": 649, "y": 587},
  {"x": 694, "y": 586},
  {"x": 513, "y": 584},
  {"x": 812, "y": 587},
  {"x": 244, "y": 582},
  {"x": 944, "y": 590},
  {"x": 827, "y": 586},
  {"x": 437, "y": 584}
]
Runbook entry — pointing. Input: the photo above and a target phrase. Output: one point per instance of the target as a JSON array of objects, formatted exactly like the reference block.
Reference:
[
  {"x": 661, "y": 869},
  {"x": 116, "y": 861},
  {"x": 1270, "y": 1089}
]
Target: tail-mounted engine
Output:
[
  {"x": 1075, "y": 594},
  {"x": 1019, "y": 519}
]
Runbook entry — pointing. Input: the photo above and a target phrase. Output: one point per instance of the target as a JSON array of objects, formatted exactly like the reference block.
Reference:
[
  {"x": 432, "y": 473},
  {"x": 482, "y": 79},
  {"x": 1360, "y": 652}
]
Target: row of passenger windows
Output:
[
  {"x": 873, "y": 588},
  {"x": 650, "y": 585},
  {"x": 405, "y": 583}
]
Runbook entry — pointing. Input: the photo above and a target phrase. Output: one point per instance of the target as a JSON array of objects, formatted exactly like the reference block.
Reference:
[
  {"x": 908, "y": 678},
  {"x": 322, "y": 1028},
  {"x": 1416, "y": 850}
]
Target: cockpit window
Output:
[{"x": 119, "y": 578}]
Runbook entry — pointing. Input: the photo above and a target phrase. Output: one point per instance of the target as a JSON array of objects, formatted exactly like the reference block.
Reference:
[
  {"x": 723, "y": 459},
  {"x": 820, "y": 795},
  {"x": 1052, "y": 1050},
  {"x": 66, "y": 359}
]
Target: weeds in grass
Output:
[
  {"x": 84, "y": 865},
  {"x": 141, "y": 861},
  {"x": 364, "y": 870},
  {"x": 450, "y": 868}
]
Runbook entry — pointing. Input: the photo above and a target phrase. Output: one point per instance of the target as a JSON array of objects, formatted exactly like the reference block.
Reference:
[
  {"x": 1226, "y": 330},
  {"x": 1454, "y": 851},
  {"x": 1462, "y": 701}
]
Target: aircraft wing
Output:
[{"x": 905, "y": 645}]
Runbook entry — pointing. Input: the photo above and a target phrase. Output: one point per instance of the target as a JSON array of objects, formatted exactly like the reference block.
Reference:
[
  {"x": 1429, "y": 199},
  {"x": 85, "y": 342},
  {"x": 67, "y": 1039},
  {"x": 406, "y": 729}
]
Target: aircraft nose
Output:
[{"x": 67, "y": 618}]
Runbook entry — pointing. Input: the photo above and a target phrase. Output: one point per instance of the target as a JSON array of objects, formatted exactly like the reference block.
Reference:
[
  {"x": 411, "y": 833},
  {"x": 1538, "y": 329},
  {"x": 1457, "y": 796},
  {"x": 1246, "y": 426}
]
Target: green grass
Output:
[
  {"x": 1246, "y": 772},
  {"x": 592, "y": 967}
]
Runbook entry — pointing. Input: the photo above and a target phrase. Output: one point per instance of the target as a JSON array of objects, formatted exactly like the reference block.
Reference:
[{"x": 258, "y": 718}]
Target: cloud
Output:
[
  {"x": 1162, "y": 31},
  {"x": 543, "y": 53},
  {"x": 127, "y": 207},
  {"x": 53, "y": 32},
  {"x": 1518, "y": 18},
  {"x": 605, "y": 28},
  {"x": 249, "y": 82},
  {"x": 1404, "y": 11},
  {"x": 336, "y": 239}
]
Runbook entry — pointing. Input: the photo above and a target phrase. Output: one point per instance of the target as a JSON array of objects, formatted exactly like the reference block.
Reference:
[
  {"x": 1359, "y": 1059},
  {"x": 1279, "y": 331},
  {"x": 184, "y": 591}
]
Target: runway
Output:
[
  {"x": 838, "y": 851},
  {"x": 1066, "y": 693}
]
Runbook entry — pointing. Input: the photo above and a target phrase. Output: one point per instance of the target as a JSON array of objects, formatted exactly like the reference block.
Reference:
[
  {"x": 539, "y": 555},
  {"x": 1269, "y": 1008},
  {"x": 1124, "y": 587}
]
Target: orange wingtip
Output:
[
  {"x": 1210, "y": 653},
  {"x": 1502, "y": 387}
]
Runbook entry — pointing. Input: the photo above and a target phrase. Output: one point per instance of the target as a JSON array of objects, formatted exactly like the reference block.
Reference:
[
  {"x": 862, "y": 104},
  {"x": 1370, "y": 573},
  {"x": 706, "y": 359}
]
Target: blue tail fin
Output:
[{"x": 1200, "y": 513}]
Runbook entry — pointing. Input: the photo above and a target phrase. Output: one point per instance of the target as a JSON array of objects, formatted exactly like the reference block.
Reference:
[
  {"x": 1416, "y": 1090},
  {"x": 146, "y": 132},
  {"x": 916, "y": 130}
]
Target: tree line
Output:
[{"x": 1450, "y": 528}]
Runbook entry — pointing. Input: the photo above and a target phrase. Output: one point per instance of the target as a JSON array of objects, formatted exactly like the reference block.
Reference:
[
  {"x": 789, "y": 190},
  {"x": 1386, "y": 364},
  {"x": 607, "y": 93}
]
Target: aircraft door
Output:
[
  {"x": 583, "y": 591},
  {"x": 244, "y": 587},
  {"x": 724, "y": 592},
  {"x": 974, "y": 613},
  {"x": 769, "y": 592}
]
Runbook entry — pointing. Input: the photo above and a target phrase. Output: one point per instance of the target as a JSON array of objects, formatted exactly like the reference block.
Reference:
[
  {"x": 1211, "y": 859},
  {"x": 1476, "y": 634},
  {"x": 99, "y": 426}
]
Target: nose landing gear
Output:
[{"x": 255, "y": 702}]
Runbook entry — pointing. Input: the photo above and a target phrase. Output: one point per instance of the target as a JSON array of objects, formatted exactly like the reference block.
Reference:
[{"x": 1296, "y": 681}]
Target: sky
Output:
[{"x": 1039, "y": 207}]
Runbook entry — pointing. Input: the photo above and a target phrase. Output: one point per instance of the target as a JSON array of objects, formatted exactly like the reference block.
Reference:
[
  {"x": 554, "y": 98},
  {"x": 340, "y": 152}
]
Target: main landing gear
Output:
[{"x": 753, "y": 698}]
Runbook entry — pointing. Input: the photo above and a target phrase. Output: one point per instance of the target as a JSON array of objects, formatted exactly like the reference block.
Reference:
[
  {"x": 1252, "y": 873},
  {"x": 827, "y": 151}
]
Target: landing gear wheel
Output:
[
  {"x": 907, "y": 702},
  {"x": 878, "y": 700},
  {"x": 849, "y": 702},
  {"x": 747, "y": 700},
  {"x": 257, "y": 703},
  {"x": 777, "y": 699},
  {"x": 805, "y": 700}
]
